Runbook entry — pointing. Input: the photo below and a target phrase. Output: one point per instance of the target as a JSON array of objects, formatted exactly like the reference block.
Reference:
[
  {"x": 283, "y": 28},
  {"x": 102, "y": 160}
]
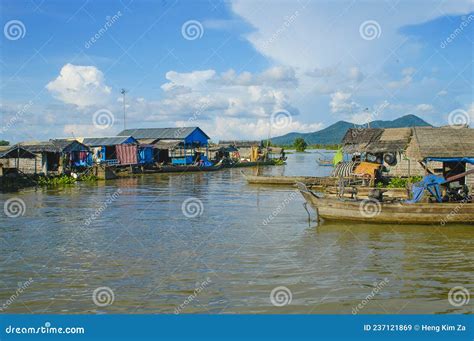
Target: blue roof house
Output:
[{"x": 181, "y": 144}]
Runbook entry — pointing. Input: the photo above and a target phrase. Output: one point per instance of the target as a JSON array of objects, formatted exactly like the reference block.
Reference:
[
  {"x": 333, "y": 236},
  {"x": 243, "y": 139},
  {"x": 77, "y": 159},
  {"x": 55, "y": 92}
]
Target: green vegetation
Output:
[
  {"x": 279, "y": 162},
  {"x": 4, "y": 143},
  {"x": 88, "y": 178},
  {"x": 399, "y": 182},
  {"x": 324, "y": 146},
  {"x": 56, "y": 181},
  {"x": 300, "y": 144}
]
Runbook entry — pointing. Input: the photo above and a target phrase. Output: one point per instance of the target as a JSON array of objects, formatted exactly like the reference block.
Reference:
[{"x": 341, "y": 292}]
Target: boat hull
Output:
[
  {"x": 370, "y": 211},
  {"x": 289, "y": 180}
]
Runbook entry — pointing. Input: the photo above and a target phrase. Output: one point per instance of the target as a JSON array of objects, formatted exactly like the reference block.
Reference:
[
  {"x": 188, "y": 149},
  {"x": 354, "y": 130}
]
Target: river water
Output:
[{"x": 211, "y": 243}]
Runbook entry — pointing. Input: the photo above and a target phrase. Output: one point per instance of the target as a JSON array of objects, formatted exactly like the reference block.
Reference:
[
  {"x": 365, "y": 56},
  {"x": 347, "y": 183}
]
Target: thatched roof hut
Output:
[
  {"x": 445, "y": 142},
  {"x": 376, "y": 140}
]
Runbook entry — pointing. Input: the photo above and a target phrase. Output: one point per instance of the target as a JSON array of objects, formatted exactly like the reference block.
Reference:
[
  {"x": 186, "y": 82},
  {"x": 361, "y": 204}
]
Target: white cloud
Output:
[
  {"x": 224, "y": 128},
  {"x": 424, "y": 108},
  {"x": 442, "y": 93},
  {"x": 327, "y": 32},
  {"x": 341, "y": 102},
  {"x": 405, "y": 81},
  {"x": 80, "y": 85}
]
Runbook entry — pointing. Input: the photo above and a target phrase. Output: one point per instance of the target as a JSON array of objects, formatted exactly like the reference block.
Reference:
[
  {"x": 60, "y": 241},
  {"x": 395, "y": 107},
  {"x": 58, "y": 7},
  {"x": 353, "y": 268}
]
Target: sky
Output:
[{"x": 238, "y": 69}]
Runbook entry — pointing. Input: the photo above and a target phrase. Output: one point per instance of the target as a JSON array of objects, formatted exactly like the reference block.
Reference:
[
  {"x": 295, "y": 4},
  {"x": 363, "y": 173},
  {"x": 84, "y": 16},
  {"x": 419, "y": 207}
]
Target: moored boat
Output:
[
  {"x": 391, "y": 212},
  {"x": 322, "y": 162},
  {"x": 289, "y": 180}
]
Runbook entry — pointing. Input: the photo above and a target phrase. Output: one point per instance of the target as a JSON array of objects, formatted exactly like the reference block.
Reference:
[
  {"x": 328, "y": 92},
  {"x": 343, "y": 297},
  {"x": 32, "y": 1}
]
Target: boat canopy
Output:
[{"x": 451, "y": 159}]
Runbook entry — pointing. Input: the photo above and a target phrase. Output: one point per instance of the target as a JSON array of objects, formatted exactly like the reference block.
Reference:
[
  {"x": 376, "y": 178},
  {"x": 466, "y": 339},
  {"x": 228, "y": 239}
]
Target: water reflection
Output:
[{"x": 152, "y": 256}]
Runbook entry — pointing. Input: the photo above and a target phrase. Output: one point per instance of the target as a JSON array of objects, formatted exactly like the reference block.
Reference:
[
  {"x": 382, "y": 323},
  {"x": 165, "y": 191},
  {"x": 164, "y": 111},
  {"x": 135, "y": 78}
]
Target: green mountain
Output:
[{"x": 334, "y": 133}]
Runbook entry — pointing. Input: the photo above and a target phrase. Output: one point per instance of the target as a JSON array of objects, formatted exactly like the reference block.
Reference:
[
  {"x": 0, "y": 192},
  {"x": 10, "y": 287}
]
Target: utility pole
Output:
[{"x": 123, "y": 92}]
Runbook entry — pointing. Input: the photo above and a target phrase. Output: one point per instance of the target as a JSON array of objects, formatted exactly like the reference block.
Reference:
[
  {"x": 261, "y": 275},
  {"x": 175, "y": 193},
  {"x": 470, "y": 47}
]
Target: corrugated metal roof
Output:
[
  {"x": 166, "y": 144},
  {"x": 15, "y": 151},
  {"x": 105, "y": 141},
  {"x": 160, "y": 133},
  {"x": 53, "y": 146}
]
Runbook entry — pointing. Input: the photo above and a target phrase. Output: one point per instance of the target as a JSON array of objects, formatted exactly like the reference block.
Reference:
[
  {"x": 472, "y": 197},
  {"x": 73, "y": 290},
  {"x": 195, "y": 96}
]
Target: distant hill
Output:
[{"x": 334, "y": 133}]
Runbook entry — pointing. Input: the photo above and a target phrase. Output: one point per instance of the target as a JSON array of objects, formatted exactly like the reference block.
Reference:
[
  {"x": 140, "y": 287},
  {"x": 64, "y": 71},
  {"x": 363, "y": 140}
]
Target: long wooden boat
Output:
[
  {"x": 251, "y": 164},
  {"x": 392, "y": 212},
  {"x": 289, "y": 180},
  {"x": 184, "y": 169}
]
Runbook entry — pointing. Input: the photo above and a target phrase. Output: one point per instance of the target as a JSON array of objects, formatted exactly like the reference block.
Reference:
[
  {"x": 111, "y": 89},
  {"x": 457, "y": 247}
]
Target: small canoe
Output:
[{"x": 390, "y": 212}]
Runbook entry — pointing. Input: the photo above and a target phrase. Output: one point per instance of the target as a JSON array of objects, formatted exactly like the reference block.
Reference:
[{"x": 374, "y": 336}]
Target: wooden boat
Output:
[
  {"x": 289, "y": 180},
  {"x": 184, "y": 169},
  {"x": 390, "y": 212},
  {"x": 251, "y": 164},
  {"x": 324, "y": 163}
]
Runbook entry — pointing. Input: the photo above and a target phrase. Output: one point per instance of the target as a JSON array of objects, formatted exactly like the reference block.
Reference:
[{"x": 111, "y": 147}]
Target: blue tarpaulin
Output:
[{"x": 451, "y": 159}]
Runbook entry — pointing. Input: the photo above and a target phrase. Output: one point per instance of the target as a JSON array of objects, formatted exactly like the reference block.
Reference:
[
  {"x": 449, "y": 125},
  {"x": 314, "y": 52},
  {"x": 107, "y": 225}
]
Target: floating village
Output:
[{"x": 412, "y": 175}]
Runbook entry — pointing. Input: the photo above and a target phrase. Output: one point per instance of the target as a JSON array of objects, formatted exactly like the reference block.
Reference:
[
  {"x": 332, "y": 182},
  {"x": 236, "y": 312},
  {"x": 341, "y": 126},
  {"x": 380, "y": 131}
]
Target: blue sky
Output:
[{"x": 239, "y": 69}]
